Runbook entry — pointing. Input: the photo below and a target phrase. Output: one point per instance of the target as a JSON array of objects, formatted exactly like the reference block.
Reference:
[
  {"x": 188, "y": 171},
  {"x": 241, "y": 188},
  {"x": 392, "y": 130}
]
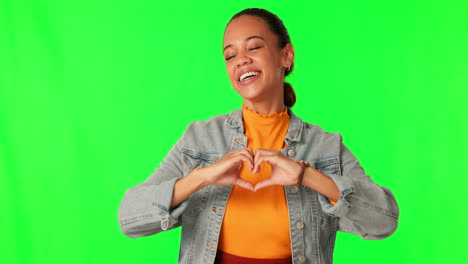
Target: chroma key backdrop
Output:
[{"x": 93, "y": 94}]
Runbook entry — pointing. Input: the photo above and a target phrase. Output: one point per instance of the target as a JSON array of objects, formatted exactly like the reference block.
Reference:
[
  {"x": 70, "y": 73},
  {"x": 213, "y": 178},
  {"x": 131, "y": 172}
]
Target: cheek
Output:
[
  {"x": 269, "y": 62},
  {"x": 230, "y": 73},
  {"x": 274, "y": 67}
]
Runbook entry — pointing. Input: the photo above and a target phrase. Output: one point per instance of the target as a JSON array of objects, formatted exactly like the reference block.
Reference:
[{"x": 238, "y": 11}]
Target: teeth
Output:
[{"x": 248, "y": 74}]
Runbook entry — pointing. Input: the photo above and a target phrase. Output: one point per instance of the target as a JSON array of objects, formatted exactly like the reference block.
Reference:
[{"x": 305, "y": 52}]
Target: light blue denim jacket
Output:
[{"x": 364, "y": 208}]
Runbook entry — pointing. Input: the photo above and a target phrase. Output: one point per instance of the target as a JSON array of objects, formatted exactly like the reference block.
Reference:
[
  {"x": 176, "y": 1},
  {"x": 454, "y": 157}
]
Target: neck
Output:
[{"x": 265, "y": 108}]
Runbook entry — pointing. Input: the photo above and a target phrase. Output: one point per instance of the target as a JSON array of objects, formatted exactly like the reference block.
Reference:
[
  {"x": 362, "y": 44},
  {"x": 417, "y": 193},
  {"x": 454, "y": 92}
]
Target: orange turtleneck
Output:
[{"x": 256, "y": 224}]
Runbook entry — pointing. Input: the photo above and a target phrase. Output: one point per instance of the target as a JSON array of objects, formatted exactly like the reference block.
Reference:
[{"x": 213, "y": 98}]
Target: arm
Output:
[
  {"x": 321, "y": 183},
  {"x": 187, "y": 186},
  {"x": 364, "y": 208},
  {"x": 146, "y": 208},
  {"x": 157, "y": 204}
]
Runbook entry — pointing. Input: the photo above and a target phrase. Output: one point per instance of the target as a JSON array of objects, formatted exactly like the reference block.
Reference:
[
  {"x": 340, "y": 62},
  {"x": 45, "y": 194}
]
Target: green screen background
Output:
[{"x": 93, "y": 94}]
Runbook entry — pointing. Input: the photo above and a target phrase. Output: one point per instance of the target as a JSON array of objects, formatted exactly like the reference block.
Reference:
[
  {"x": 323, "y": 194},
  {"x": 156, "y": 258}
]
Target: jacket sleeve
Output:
[
  {"x": 145, "y": 208},
  {"x": 364, "y": 208}
]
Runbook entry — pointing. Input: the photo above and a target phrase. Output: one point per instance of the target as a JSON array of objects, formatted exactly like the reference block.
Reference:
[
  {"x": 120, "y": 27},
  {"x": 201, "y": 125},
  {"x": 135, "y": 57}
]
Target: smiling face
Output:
[{"x": 254, "y": 61}]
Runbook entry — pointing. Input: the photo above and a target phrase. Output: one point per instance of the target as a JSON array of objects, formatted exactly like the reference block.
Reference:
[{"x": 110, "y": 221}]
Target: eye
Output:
[
  {"x": 255, "y": 48},
  {"x": 230, "y": 57}
]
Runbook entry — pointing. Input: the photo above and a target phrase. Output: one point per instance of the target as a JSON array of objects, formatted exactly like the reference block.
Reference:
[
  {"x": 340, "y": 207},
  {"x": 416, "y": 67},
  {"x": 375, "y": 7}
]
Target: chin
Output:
[{"x": 249, "y": 92}]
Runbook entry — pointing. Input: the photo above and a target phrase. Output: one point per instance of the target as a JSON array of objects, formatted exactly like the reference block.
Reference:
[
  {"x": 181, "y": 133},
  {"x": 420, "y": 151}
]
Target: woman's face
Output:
[{"x": 254, "y": 61}]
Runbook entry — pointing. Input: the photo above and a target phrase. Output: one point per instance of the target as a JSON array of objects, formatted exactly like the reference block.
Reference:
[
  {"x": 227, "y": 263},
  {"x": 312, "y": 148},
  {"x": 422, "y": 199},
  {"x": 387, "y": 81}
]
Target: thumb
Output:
[
  {"x": 263, "y": 184},
  {"x": 244, "y": 184}
]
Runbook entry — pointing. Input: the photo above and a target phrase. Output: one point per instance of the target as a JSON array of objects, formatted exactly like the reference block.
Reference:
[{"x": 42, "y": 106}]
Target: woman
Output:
[{"x": 259, "y": 185}]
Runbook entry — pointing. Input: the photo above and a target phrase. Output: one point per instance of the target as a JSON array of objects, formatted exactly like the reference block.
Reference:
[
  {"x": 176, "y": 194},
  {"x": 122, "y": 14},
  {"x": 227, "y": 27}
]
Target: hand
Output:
[
  {"x": 226, "y": 170},
  {"x": 284, "y": 171}
]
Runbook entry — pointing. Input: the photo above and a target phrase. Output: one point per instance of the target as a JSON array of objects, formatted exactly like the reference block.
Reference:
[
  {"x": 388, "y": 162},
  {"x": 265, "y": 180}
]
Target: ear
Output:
[{"x": 287, "y": 55}]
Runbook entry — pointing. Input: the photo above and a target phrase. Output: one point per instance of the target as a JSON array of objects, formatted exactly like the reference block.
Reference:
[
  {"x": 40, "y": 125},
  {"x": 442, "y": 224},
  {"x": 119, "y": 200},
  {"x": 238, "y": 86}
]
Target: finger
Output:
[
  {"x": 244, "y": 157},
  {"x": 251, "y": 152},
  {"x": 263, "y": 184},
  {"x": 245, "y": 184},
  {"x": 245, "y": 150},
  {"x": 235, "y": 152},
  {"x": 261, "y": 159},
  {"x": 248, "y": 159},
  {"x": 258, "y": 154},
  {"x": 267, "y": 151},
  {"x": 248, "y": 152}
]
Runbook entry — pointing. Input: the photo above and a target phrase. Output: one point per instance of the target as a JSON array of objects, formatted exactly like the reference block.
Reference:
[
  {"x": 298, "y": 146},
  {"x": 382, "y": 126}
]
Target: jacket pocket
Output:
[
  {"x": 193, "y": 158},
  {"x": 196, "y": 159},
  {"x": 318, "y": 217},
  {"x": 329, "y": 165},
  {"x": 197, "y": 201}
]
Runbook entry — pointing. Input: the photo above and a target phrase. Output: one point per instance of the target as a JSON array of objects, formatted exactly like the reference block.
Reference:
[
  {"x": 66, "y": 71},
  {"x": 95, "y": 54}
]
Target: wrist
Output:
[
  {"x": 198, "y": 178},
  {"x": 304, "y": 165},
  {"x": 316, "y": 180}
]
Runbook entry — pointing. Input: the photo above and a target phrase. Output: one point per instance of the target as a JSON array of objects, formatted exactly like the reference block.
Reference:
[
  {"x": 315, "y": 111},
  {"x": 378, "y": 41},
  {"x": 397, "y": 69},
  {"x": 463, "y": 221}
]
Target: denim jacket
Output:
[{"x": 364, "y": 208}]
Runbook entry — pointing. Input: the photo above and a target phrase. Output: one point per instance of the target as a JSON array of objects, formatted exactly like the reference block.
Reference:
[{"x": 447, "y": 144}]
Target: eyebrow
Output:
[{"x": 247, "y": 39}]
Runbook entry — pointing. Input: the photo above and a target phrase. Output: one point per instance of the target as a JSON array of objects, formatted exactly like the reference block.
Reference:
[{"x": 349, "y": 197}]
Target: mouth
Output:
[{"x": 249, "y": 77}]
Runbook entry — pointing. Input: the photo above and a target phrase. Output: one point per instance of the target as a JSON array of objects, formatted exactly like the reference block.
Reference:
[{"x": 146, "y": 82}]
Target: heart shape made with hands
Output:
[{"x": 284, "y": 171}]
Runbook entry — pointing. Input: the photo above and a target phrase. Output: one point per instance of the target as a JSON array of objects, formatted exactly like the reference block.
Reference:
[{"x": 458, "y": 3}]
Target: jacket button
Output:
[
  {"x": 217, "y": 210},
  {"x": 300, "y": 225},
  {"x": 210, "y": 245},
  {"x": 301, "y": 259},
  {"x": 294, "y": 189},
  {"x": 291, "y": 153},
  {"x": 164, "y": 224}
]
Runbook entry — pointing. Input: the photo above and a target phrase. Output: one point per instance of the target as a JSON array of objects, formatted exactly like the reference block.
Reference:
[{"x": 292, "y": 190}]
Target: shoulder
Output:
[
  {"x": 318, "y": 135},
  {"x": 210, "y": 135},
  {"x": 319, "y": 144},
  {"x": 212, "y": 125}
]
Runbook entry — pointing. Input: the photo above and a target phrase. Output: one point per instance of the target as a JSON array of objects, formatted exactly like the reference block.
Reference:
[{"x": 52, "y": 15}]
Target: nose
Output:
[{"x": 243, "y": 60}]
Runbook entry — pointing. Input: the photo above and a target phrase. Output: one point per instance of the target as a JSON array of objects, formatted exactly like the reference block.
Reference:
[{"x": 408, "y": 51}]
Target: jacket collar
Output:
[{"x": 234, "y": 121}]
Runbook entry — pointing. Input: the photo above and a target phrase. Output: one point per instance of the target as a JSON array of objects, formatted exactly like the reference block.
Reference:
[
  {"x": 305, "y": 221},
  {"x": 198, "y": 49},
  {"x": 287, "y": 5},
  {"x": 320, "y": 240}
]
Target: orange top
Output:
[{"x": 256, "y": 224}]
